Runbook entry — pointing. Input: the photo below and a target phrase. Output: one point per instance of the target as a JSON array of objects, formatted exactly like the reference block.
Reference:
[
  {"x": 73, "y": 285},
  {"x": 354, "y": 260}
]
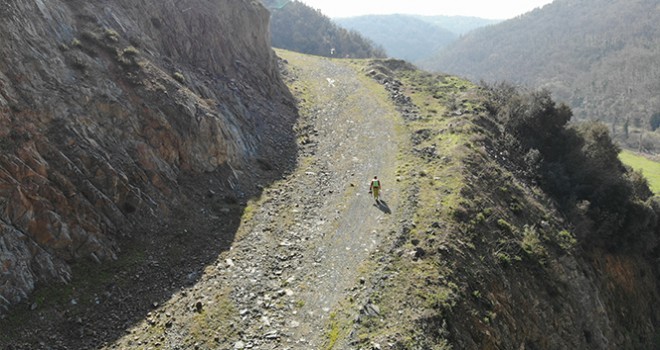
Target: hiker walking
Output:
[{"x": 374, "y": 188}]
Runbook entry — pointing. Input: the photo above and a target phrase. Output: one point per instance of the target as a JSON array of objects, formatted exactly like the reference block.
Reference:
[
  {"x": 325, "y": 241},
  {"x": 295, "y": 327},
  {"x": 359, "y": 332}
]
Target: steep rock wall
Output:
[{"x": 105, "y": 106}]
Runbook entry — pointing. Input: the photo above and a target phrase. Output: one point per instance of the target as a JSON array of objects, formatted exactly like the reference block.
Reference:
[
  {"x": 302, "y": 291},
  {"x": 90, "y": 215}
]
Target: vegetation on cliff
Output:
[
  {"x": 578, "y": 166},
  {"x": 515, "y": 214}
]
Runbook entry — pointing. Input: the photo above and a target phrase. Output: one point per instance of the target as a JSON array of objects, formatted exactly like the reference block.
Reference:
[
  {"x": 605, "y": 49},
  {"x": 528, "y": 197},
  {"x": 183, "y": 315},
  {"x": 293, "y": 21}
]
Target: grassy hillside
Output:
[
  {"x": 648, "y": 167},
  {"x": 600, "y": 56}
]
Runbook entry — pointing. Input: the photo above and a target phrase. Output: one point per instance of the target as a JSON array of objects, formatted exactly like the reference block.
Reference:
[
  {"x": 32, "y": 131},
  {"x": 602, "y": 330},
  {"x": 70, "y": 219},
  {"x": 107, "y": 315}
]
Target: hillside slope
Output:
[
  {"x": 464, "y": 252},
  {"x": 160, "y": 187},
  {"x": 599, "y": 56}
]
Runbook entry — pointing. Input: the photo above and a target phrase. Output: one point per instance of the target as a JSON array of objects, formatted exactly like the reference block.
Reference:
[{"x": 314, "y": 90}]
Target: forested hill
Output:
[
  {"x": 402, "y": 36},
  {"x": 411, "y": 37},
  {"x": 600, "y": 56},
  {"x": 297, "y": 27},
  {"x": 459, "y": 24}
]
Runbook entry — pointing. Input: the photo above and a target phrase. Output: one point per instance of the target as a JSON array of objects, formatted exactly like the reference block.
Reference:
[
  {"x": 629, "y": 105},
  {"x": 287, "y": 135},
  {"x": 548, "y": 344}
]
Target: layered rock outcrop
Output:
[{"x": 105, "y": 106}]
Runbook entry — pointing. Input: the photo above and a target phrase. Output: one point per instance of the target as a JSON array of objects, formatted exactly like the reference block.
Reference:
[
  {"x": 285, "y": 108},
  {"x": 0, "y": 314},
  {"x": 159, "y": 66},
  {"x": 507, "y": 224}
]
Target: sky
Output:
[{"x": 491, "y": 9}]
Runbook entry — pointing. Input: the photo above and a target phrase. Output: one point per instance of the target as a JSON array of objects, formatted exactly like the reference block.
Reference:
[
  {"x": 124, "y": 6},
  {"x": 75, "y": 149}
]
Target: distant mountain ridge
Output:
[
  {"x": 404, "y": 37},
  {"x": 600, "y": 56},
  {"x": 297, "y": 27},
  {"x": 459, "y": 24},
  {"x": 410, "y": 37}
]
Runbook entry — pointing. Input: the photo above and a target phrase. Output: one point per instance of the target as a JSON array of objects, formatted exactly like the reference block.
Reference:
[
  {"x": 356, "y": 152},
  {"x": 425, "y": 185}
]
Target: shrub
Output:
[
  {"x": 78, "y": 64},
  {"x": 178, "y": 76},
  {"x": 566, "y": 240},
  {"x": 111, "y": 35},
  {"x": 505, "y": 226},
  {"x": 533, "y": 160},
  {"x": 639, "y": 183},
  {"x": 531, "y": 242},
  {"x": 130, "y": 52},
  {"x": 128, "y": 56},
  {"x": 655, "y": 121},
  {"x": 503, "y": 257},
  {"x": 90, "y": 36}
]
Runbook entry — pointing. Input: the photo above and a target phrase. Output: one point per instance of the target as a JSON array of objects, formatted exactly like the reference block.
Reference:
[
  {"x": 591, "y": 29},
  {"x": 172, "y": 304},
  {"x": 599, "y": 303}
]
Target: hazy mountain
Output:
[
  {"x": 298, "y": 27},
  {"x": 459, "y": 24},
  {"x": 600, "y": 56},
  {"x": 402, "y": 36}
]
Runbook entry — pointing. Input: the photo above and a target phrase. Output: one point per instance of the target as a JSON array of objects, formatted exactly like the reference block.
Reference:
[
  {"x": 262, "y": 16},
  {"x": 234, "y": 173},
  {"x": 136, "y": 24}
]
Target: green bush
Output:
[
  {"x": 578, "y": 165},
  {"x": 178, "y": 76},
  {"x": 128, "y": 57},
  {"x": 130, "y": 52},
  {"x": 566, "y": 240},
  {"x": 531, "y": 242},
  {"x": 655, "y": 121},
  {"x": 111, "y": 35}
]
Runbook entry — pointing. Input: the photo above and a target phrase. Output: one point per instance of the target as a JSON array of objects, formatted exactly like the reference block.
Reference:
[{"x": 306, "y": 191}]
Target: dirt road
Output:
[
  {"x": 298, "y": 274},
  {"x": 302, "y": 250}
]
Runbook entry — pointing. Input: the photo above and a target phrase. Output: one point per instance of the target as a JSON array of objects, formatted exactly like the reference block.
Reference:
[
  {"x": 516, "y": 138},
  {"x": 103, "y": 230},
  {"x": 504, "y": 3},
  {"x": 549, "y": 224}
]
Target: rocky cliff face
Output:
[{"x": 105, "y": 107}]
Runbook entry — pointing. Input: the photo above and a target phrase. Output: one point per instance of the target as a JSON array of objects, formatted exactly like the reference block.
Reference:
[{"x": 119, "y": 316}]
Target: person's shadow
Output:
[{"x": 380, "y": 204}]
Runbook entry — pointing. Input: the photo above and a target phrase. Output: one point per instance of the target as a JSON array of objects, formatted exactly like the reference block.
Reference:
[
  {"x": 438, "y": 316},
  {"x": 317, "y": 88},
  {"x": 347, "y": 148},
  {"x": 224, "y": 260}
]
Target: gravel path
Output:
[
  {"x": 303, "y": 258},
  {"x": 303, "y": 248}
]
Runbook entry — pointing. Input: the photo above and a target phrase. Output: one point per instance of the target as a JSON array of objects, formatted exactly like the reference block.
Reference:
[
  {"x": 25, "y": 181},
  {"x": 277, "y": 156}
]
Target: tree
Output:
[
  {"x": 655, "y": 121},
  {"x": 577, "y": 165}
]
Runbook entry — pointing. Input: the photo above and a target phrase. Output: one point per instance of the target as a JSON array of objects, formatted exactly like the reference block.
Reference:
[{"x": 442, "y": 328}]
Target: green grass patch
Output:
[
  {"x": 438, "y": 179},
  {"x": 333, "y": 334},
  {"x": 338, "y": 329},
  {"x": 532, "y": 243},
  {"x": 566, "y": 240},
  {"x": 649, "y": 168}
]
